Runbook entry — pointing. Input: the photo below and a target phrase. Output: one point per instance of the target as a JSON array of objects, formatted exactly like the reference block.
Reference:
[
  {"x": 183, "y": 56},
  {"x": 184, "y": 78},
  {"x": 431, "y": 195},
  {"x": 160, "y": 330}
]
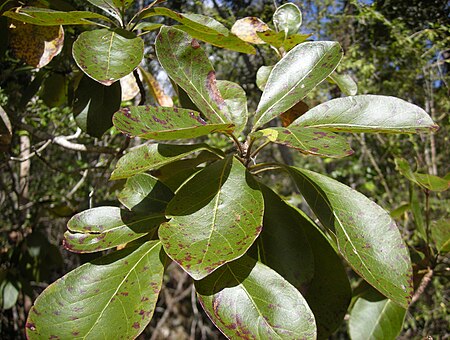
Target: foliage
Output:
[{"x": 199, "y": 199}]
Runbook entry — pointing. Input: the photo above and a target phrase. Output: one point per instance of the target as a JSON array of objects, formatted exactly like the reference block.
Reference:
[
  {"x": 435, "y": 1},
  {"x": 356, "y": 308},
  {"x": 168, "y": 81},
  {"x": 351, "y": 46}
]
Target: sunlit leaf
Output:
[
  {"x": 118, "y": 289},
  {"x": 35, "y": 45},
  {"x": 236, "y": 99},
  {"x": 366, "y": 235},
  {"x": 153, "y": 156},
  {"x": 440, "y": 233},
  {"x": 368, "y": 113},
  {"x": 130, "y": 88},
  {"x": 294, "y": 76},
  {"x": 309, "y": 141},
  {"x": 164, "y": 123},
  {"x": 123, "y": 3},
  {"x": 215, "y": 217},
  {"x": 287, "y": 18},
  {"x": 375, "y": 317},
  {"x": 104, "y": 228},
  {"x": 262, "y": 76},
  {"x": 109, "y": 7},
  {"x": 279, "y": 39},
  {"x": 187, "y": 64},
  {"x": 147, "y": 26},
  {"x": 246, "y": 299},
  {"x": 247, "y": 28},
  {"x": 48, "y": 17},
  {"x": 430, "y": 182},
  {"x": 108, "y": 55},
  {"x": 345, "y": 83},
  {"x": 95, "y": 105}
]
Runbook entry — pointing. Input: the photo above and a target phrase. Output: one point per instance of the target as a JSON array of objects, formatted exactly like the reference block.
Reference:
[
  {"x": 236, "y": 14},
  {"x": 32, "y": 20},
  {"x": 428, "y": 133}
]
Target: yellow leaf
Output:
[
  {"x": 247, "y": 29},
  {"x": 155, "y": 89}
]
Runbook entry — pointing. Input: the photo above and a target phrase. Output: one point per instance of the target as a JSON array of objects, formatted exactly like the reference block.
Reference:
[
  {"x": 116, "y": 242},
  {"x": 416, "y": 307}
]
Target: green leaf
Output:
[
  {"x": 95, "y": 104},
  {"x": 293, "y": 40},
  {"x": 287, "y": 18},
  {"x": 215, "y": 218},
  {"x": 292, "y": 245},
  {"x": 109, "y": 7},
  {"x": 165, "y": 123},
  {"x": 48, "y": 17},
  {"x": 111, "y": 297},
  {"x": 279, "y": 39},
  {"x": 148, "y": 157},
  {"x": 104, "y": 228},
  {"x": 108, "y": 55},
  {"x": 440, "y": 233},
  {"x": 368, "y": 113},
  {"x": 247, "y": 29},
  {"x": 230, "y": 41},
  {"x": 187, "y": 64},
  {"x": 147, "y": 26},
  {"x": 123, "y": 3},
  {"x": 366, "y": 235},
  {"x": 426, "y": 181},
  {"x": 54, "y": 90},
  {"x": 416, "y": 209},
  {"x": 308, "y": 141},
  {"x": 262, "y": 76},
  {"x": 9, "y": 292},
  {"x": 374, "y": 317},
  {"x": 345, "y": 83},
  {"x": 236, "y": 99},
  {"x": 294, "y": 76},
  {"x": 246, "y": 299},
  {"x": 144, "y": 193}
]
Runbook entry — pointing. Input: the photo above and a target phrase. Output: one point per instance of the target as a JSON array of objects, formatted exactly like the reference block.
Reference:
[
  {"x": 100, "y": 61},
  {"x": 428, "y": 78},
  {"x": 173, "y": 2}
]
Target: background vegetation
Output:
[{"x": 50, "y": 169}]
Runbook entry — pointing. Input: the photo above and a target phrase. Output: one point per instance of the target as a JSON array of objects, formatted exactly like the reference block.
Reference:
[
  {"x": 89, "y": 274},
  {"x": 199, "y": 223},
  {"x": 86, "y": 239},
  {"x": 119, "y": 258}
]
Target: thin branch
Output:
[
  {"x": 141, "y": 87},
  {"x": 422, "y": 286}
]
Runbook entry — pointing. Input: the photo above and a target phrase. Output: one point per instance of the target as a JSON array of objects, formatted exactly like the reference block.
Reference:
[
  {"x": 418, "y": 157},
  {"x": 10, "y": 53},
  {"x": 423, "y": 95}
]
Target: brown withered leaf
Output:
[
  {"x": 156, "y": 89},
  {"x": 35, "y": 45},
  {"x": 293, "y": 113}
]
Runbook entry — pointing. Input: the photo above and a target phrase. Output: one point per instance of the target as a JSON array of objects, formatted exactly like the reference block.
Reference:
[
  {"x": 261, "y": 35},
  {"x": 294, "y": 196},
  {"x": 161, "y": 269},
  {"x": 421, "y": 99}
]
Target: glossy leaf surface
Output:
[
  {"x": 366, "y": 235},
  {"x": 215, "y": 218},
  {"x": 108, "y": 55},
  {"x": 109, "y": 7},
  {"x": 293, "y": 246},
  {"x": 287, "y": 18},
  {"x": 187, "y": 64},
  {"x": 279, "y": 39},
  {"x": 368, "y": 113},
  {"x": 262, "y": 76},
  {"x": 153, "y": 156},
  {"x": 236, "y": 99},
  {"x": 294, "y": 76},
  {"x": 119, "y": 289},
  {"x": 144, "y": 193},
  {"x": 104, "y": 228},
  {"x": 48, "y": 17},
  {"x": 230, "y": 41},
  {"x": 375, "y": 318},
  {"x": 430, "y": 182},
  {"x": 247, "y": 29},
  {"x": 247, "y": 300},
  {"x": 309, "y": 141},
  {"x": 35, "y": 45},
  {"x": 345, "y": 83},
  {"x": 164, "y": 123},
  {"x": 95, "y": 105}
]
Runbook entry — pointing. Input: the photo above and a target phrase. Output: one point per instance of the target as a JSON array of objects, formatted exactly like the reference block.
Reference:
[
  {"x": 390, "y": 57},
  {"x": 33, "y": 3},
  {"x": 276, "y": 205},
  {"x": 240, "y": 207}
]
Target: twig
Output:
[
  {"x": 141, "y": 87},
  {"x": 422, "y": 286}
]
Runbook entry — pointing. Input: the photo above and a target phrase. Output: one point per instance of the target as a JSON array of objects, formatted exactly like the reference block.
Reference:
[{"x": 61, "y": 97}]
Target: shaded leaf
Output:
[
  {"x": 5, "y": 130},
  {"x": 144, "y": 193},
  {"x": 147, "y": 26},
  {"x": 104, "y": 228},
  {"x": 293, "y": 40},
  {"x": 246, "y": 299},
  {"x": 153, "y": 156},
  {"x": 124, "y": 285},
  {"x": 293, "y": 113},
  {"x": 108, "y": 55},
  {"x": 366, "y": 235},
  {"x": 416, "y": 210},
  {"x": 54, "y": 90},
  {"x": 294, "y": 76},
  {"x": 215, "y": 218},
  {"x": 345, "y": 83},
  {"x": 440, "y": 233},
  {"x": 426, "y": 181},
  {"x": 123, "y": 3},
  {"x": 130, "y": 88},
  {"x": 35, "y": 45},
  {"x": 308, "y": 141},
  {"x": 247, "y": 28},
  {"x": 187, "y": 64},
  {"x": 109, "y": 7},
  {"x": 262, "y": 76},
  {"x": 95, "y": 105},
  {"x": 375, "y": 317},
  {"x": 368, "y": 113},
  {"x": 236, "y": 99},
  {"x": 9, "y": 292},
  {"x": 164, "y": 123},
  {"x": 48, "y": 17},
  {"x": 287, "y": 18},
  {"x": 156, "y": 89}
]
